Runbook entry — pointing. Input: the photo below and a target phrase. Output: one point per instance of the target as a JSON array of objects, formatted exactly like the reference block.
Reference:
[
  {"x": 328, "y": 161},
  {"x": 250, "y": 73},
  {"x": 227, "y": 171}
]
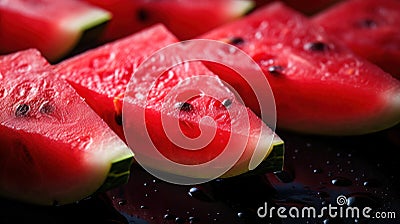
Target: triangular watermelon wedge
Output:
[
  {"x": 54, "y": 147},
  {"x": 101, "y": 76},
  {"x": 320, "y": 86},
  {"x": 55, "y": 28},
  {"x": 372, "y": 31}
]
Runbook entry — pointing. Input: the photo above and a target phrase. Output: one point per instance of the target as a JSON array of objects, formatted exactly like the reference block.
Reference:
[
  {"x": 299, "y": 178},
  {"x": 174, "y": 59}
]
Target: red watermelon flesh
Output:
[
  {"x": 320, "y": 87},
  {"x": 101, "y": 75},
  {"x": 185, "y": 19},
  {"x": 372, "y": 31},
  {"x": 53, "y": 27},
  {"x": 307, "y": 7},
  {"x": 54, "y": 148}
]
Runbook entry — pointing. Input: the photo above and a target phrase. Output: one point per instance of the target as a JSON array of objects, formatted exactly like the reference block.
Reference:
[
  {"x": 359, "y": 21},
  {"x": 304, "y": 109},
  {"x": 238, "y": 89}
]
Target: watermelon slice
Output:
[
  {"x": 307, "y": 7},
  {"x": 185, "y": 19},
  {"x": 53, "y": 27},
  {"x": 320, "y": 87},
  {"x": 54, "y": 148},
  {"x": 101, "y": 76},
  {"x": 372, "y": 31}
]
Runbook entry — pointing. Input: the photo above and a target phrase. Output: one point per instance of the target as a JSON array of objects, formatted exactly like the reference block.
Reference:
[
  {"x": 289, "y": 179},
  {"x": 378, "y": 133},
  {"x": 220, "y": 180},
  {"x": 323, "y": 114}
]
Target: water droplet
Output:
[
  {"x": 362, "y": 200},
  {"x": 198, "y": 193},
  {"x": 275, "y": 69},
  {"x": 168, "y": 216},
  {"x": 284, "y": 176},
  {"x": 193, "y": 219},
  {"x": 143, "y": 207},
  {"x": 322, "y": 194},
  {"x": 341, "y": 181},
  {"x": 179, "y": 220},
  {"x": 317, "y": 170},
  {"x": 122, "y": 202}
]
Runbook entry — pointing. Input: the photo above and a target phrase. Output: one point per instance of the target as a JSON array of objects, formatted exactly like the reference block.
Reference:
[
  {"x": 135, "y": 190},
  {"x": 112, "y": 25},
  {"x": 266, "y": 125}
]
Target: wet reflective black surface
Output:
[{"x": 317, "y": 170}]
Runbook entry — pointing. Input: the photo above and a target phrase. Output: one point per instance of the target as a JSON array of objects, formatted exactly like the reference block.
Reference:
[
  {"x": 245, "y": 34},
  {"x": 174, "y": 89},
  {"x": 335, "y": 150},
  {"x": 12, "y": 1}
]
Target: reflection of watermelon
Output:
[
  {"x": 372, "y": 31},
  {"x": 53, "y": 27},
  {"x": 54, "y": 148},
  {"x": 103, "y": 73},
  {"x": 319, "y": 86},
  {"x": 185, "y": 19}
]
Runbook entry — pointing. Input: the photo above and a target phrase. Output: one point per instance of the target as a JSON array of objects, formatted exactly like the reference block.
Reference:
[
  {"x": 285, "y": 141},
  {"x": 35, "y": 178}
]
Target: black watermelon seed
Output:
[
  {"x": 142, "y": 15},
  {"x": 227, "y": 102},
  {"x": 236, "y": 40},
  {"x": 367, "y": 23},
  {"x": 185, "y": 106},
  {"x": 316, "y": 46},
  {"x": 22, "y": 110},
  {"x": 118, "y": 118},
  {"x": 275, "y": 69},
  {"x": 46, "y": 108}
]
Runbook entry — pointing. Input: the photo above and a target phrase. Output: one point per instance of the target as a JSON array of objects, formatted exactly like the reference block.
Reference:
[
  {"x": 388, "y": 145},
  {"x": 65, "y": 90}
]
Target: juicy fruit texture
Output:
[
  {"x": 54, "y": 148},
  {"x": 185, "y": 19},
  {"x": 104, "y": 73},
  {"x": 372, "y": 31},
  {"x": 229, "y": 115},
  {"x": 100, "y": 75},
  {"x": 320, "y": 87},
  {"x": 53, "y": 27}
]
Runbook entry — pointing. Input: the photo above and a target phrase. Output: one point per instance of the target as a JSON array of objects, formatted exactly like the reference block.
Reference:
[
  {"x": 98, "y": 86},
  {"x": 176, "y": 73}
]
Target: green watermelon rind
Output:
[
  {"x": 87, "y": 32},
  {"x": 118, "y": 174},
  {"x": 272, "y": 163}
]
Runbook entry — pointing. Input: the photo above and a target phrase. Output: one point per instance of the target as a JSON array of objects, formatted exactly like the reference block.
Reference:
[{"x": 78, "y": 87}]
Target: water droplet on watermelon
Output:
[
  {"x": 275, "y": 69},
  {"x": 22, "y": 110},
  {"x": 316, "y": 46},
  {"x": 341, "y": 181}
]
